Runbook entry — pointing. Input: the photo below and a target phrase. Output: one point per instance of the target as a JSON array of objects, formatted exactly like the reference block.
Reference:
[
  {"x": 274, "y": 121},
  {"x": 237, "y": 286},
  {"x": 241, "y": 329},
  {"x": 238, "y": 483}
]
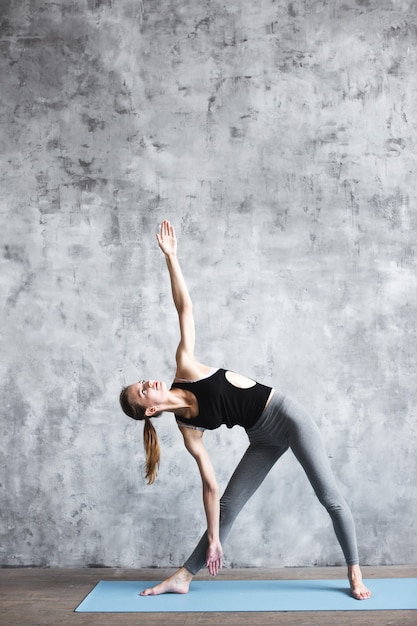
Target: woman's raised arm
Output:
[{"x": 185, "y": 352}]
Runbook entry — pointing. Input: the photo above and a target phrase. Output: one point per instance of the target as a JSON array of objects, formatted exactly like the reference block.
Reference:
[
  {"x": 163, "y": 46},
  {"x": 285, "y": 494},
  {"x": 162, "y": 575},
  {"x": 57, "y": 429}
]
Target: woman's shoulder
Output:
[{"x": 193, "y": 373}]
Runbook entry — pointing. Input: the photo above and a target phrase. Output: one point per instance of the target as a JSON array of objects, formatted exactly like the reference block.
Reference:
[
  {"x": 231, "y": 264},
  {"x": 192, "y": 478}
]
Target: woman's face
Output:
[{"x": 147, "y": 393}]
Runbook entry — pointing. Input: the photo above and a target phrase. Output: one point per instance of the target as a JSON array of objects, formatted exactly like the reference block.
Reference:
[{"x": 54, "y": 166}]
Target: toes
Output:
[
  {"x": 361, "y": 594},
  {"x": 147, "y": 592}
]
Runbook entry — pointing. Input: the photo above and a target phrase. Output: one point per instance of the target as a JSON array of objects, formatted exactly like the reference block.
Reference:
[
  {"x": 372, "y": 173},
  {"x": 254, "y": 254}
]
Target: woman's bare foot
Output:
[
  {"x": 358, "y": 589},
  {"x": 177, "y": 583}
]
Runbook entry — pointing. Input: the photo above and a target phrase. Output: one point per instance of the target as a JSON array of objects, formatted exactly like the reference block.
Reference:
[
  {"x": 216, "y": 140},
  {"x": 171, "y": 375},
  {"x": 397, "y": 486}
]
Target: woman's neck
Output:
[{"x": 184, "y": 402}]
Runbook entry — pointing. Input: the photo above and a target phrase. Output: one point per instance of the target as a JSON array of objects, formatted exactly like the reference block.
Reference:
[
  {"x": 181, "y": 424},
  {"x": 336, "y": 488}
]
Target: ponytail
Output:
[
  {"x": 150, "y": 438},
  {"x": 152, "y": 450}
]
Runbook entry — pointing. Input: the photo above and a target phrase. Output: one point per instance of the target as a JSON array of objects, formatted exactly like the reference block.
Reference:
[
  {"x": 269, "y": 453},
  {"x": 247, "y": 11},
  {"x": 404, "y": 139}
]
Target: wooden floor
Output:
[{"x": 48, "y": 597}]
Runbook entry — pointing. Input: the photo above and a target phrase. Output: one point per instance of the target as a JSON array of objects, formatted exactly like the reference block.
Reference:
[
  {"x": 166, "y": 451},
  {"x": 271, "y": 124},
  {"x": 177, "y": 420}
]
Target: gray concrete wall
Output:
[{"x": 280, "y": 138}]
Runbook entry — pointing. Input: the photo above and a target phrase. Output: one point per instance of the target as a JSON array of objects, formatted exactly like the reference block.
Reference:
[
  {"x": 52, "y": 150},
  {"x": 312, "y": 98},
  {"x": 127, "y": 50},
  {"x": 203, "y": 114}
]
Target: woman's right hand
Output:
[
  {"x": 214, "y": 557},
  {"x": 167, "y": 240}
]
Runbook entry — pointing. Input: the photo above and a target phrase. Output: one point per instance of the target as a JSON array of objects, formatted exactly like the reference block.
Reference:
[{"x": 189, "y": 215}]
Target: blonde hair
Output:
[{"x": 150, "y": 437}]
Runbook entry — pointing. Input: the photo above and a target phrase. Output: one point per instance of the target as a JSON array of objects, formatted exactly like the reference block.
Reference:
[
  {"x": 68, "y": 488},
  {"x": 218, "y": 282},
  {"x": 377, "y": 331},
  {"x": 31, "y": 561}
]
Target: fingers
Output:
[
  {"x": 161, "y": 233},
  {"x": 214, "y": 566},
  {"x": 166, "y": 230}
]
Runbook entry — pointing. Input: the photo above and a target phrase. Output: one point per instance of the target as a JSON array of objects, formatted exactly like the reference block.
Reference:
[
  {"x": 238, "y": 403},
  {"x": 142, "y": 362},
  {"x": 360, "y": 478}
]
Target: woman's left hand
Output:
[{"x": 214, "y": 557}]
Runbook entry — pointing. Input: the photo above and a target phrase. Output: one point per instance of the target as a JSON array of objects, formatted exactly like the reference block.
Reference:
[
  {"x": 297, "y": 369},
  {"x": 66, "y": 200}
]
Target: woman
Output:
[{"x": 203, "y": 398}]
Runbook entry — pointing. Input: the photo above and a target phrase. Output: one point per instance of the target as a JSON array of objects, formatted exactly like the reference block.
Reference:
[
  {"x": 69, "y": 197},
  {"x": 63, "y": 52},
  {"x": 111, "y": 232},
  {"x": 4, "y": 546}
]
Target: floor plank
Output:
[{"x": 48, "y": 597}]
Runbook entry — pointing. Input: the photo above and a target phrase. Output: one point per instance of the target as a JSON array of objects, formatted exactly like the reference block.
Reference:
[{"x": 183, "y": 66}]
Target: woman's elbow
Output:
[
  {"x": 185, "y": 307},
  {"x": 211, "y": 488}
]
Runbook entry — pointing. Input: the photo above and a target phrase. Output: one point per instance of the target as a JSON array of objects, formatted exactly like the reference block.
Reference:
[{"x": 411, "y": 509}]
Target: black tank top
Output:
[{"x": 221, "y": 402}]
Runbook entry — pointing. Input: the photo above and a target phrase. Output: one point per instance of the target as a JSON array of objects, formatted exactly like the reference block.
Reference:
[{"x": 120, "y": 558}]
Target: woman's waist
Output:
[{"x": 272, "y": 409}]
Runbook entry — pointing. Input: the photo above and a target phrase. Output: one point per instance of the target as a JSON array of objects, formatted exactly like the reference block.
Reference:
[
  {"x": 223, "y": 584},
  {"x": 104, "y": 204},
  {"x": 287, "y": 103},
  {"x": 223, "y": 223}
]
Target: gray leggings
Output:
[{"x": 283, "y": 424}]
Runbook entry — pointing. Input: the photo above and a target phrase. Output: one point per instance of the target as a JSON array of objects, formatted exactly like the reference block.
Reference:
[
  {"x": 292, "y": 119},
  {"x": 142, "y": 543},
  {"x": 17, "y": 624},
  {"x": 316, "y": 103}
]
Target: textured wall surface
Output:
[{"x": 281, "y": 139}]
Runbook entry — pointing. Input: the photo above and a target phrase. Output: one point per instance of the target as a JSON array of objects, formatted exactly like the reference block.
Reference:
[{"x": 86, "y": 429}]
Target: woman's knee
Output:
[
  {"x": 334, "y": 503},
  {"x": 229, "y": 510}
]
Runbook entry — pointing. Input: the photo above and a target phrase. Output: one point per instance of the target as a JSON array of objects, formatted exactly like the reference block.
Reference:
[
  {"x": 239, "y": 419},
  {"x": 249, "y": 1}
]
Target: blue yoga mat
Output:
[{"x": 111, "y": 596}]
